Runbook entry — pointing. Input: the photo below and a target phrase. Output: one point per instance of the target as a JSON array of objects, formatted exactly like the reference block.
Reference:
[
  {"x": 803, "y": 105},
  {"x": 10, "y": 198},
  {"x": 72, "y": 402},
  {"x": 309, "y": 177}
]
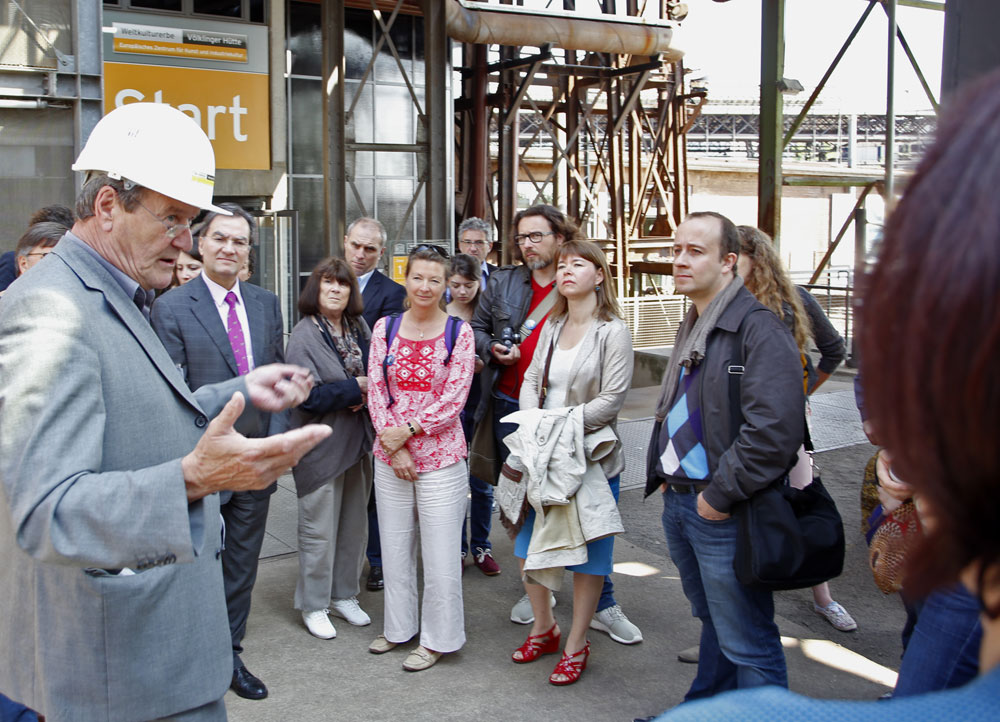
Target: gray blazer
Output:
[
  {"x": 599, "y": 379},
  {"x": 94, "y": 419},
  {"x": 188, "y": 323}
]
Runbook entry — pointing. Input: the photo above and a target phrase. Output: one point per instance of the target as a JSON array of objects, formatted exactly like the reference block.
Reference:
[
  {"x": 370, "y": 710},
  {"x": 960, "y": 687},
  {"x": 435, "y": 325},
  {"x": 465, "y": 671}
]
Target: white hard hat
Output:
[{"x": 155, "y": 146}]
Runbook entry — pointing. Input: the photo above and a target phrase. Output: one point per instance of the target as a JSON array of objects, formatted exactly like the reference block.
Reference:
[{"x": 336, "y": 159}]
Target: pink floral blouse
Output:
[{"x": 426, "y": 391}]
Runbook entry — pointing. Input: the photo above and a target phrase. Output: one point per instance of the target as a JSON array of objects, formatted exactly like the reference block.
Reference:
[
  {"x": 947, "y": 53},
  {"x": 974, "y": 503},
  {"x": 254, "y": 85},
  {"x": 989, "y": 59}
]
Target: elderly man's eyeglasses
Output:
[
  {"x": 239, "y": 242},
  {"x": 534, "y": 238},
  {"x": 172, "y": 229},
  {"x": 430, "y": 247},
  {"x": 477, "y": 243}
]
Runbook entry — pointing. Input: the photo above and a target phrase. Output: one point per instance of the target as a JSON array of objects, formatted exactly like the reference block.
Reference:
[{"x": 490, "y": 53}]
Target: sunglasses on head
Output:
[{"x": 430, "y": 247}]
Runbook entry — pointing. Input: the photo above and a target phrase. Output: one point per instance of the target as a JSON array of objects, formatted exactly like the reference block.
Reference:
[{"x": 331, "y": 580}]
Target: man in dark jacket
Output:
[
  {"x": 215, "y": 328},
  {"x": 513, "y": 307},
  {"x": 364, "y": 246},
  {"x": 703, "y": 467}
]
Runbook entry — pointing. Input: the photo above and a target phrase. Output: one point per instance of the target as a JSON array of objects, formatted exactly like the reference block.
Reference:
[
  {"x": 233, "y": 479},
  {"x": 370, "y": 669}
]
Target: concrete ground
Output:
[{"x": 312, "y": 679}]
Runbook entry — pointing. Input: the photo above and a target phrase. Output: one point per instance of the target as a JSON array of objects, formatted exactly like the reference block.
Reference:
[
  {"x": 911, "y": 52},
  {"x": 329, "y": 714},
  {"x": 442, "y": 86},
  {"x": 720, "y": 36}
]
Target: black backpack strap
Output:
[
  {"x": 737, "y": 367},
  {"x": 736, "y": 370},
  {"x": 392, "y": 323}
]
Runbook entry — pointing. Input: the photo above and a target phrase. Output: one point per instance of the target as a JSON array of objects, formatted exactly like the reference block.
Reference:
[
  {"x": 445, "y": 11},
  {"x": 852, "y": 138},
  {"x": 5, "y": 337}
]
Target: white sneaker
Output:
[
  {"x": 318, "y": 624},
  {"x": 837, "y": 616},
  {"x": 521, "y": 612},
  {"x": 613, "y": 621},
  {"x": 350, "y": 610}
]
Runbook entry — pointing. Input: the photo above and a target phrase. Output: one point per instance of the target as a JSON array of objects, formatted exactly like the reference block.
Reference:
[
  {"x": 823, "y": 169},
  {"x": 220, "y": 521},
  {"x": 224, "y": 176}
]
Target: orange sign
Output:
[
  {"x": 232, "y": 108},
  {"x": 399, "y": 268}
]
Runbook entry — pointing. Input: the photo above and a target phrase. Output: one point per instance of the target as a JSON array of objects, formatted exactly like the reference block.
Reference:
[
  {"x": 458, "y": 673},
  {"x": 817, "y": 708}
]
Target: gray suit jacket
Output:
[
  {"x": 188, "y": 323},
  {"x": 94, "y": 418}
]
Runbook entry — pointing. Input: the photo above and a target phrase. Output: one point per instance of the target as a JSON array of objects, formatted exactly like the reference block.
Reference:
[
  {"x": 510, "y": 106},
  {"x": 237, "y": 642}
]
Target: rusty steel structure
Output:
[{"x": 599, "y": 134}]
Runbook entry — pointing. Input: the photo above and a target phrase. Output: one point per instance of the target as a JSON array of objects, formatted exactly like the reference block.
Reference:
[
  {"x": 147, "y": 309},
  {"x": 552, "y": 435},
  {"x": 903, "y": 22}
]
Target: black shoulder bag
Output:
[{"x": 788, "y": 538}]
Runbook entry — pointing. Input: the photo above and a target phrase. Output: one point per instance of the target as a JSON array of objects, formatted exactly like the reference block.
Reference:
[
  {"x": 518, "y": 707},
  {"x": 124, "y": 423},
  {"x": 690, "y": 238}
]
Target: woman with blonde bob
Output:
[{"x": 583, "y": 358}]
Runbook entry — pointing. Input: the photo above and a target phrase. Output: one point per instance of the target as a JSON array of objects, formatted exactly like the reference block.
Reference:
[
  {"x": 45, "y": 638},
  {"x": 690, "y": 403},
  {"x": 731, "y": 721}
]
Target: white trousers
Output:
[{"x": 434, "y": 505}]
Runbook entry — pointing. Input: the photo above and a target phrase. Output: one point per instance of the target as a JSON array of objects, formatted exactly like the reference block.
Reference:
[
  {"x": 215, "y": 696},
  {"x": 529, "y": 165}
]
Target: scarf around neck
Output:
[{"x": 692, "y": 338}]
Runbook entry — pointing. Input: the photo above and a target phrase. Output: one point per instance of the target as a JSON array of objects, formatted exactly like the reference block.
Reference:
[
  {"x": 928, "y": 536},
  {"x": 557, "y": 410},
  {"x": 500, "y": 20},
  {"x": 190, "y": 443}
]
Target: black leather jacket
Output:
[{"x": 504, "y": 303}]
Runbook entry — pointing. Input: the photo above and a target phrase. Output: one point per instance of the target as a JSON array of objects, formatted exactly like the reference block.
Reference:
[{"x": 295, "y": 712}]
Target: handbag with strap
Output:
[{"x": 788, "y": 538}]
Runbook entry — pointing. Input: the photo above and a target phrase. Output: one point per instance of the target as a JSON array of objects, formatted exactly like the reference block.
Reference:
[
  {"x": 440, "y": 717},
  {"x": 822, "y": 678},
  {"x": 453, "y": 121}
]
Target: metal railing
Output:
[
  {"x": 837, "y": 302},
  {"x": 653, "y": 320}
]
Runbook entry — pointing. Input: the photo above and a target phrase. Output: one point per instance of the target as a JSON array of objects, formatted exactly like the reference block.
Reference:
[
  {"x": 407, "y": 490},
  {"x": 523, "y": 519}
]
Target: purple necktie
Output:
[{"x": 236, "y": 339}]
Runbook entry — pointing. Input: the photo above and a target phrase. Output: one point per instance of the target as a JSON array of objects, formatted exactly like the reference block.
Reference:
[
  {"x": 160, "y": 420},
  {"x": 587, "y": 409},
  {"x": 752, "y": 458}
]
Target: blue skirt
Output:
[{"x": 600, "y": 553}]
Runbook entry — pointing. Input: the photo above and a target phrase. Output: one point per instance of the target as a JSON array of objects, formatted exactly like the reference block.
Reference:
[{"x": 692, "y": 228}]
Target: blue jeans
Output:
[
  {"x": 503, "y": 405},
  {"x": 374, "y": 549},
  {"x": 480, "y": 516},
  {"x": 740, "y": 643},
  {"x": 943, "y": 650}
]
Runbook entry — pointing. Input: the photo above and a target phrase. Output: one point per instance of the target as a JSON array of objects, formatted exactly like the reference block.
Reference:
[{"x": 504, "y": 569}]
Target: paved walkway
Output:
[{"x": 312, "y": 679}]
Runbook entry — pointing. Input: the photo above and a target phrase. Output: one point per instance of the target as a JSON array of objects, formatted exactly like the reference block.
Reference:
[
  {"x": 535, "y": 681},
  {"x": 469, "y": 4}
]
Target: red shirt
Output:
[{"x": 510, "y": 379}]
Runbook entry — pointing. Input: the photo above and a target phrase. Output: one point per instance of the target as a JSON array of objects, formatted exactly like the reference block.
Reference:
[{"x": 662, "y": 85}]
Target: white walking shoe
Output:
[
  {"x": 318, "y": 624},
  {"x": 521, "y": 612},
  {"x": 613, "y": 621},
  {"x": 837, "y": 616},
  {"x": 350, "y": 610}
]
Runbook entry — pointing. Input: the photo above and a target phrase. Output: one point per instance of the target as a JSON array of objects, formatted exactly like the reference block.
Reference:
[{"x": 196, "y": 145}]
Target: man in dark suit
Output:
[
  {"x": 474, "y": 238},
  {"x": 216, "y": 328},
  {"x": 364, "y": 246}
]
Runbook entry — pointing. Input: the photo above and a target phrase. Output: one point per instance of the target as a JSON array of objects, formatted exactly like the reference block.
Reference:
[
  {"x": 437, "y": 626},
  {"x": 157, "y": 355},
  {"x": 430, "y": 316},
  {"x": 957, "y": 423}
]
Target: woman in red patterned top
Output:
[{"x": 415, "y": 399}]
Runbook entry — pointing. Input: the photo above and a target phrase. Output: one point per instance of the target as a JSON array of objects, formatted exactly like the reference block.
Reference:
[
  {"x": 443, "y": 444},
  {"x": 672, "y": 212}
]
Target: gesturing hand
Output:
[
  {"x": 225, "y": 460},
  {"x": 277, "y": 387}
]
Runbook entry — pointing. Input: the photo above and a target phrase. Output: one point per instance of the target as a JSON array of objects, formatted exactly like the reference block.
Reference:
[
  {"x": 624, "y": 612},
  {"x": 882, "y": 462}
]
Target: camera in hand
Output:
[{"x": 509, "y": 337}]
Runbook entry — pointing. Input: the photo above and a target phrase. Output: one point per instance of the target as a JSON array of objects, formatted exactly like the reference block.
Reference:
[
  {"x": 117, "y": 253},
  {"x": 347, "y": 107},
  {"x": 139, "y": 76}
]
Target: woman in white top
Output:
[{"x": 583, "y": 357}]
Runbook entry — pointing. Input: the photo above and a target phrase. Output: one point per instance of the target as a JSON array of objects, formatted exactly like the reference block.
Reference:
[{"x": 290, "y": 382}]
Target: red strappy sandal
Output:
[
  {"x": 536, "y": 645},
  {"x": 570, "y": 667}
]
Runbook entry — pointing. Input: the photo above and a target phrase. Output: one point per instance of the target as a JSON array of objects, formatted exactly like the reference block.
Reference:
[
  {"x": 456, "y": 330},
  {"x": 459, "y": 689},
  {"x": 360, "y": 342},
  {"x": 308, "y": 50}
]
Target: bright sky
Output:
[{"x": 722, "y": 41}]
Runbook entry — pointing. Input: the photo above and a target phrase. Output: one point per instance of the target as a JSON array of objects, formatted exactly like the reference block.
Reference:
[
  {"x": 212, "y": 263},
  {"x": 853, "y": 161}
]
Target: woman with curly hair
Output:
[{"x": 765, "y": 277}]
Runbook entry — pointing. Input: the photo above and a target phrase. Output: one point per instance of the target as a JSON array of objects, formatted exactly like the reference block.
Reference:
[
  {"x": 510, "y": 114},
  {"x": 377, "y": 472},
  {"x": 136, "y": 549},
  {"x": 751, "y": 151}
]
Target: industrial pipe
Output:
[{"x": 482, "y": 23}]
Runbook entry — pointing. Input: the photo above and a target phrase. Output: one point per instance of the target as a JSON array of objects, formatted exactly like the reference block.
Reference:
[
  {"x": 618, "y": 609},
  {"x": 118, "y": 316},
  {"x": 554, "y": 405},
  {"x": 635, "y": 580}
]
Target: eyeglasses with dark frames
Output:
[{"x": 534, "y": 238}]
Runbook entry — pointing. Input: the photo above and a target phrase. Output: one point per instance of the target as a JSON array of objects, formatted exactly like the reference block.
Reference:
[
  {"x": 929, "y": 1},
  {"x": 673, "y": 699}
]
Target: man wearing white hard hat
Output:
[{"x": 110, "y": 580}]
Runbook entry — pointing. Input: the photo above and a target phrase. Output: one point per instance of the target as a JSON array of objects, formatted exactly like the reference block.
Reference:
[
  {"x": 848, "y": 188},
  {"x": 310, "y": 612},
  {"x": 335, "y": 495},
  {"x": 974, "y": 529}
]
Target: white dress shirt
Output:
[
  {"x": 219, "y": 296},
  {"x": 363, "y": 280}
]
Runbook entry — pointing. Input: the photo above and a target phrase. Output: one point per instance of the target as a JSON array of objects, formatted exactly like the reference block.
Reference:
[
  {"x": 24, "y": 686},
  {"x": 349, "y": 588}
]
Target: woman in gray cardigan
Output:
[
  {"x": 583, "y": 357},
  {"x": 333, "y": 480}
]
